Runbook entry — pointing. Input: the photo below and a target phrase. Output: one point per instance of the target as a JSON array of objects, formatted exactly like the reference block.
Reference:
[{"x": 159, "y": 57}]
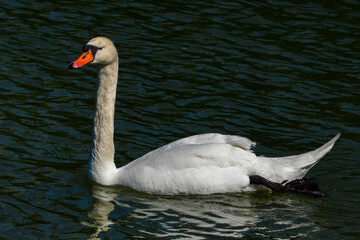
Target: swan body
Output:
[{"x": 200, "y": 164}]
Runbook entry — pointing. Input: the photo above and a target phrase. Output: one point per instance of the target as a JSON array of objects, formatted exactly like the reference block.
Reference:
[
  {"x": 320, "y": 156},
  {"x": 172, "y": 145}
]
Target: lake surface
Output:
[{"x": 285, "y": 75}]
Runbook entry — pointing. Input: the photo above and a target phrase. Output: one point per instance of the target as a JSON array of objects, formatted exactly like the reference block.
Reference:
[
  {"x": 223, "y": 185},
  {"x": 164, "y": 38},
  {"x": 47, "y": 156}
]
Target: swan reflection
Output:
[
  {"x": 103, "y": 204},
  {"x": 199, "y": 216},
  {"x": 226, "y": 215}
]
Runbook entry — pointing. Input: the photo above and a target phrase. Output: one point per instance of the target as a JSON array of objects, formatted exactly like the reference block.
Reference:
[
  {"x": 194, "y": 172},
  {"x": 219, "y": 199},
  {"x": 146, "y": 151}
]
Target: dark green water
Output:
[{"x": 284, "y": 75}]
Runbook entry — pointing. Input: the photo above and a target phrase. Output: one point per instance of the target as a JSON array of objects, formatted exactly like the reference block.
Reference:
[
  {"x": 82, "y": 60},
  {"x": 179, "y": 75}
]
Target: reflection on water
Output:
[
  {"x": 198, "y": 217},
  {"x": 103, "y": 204}
]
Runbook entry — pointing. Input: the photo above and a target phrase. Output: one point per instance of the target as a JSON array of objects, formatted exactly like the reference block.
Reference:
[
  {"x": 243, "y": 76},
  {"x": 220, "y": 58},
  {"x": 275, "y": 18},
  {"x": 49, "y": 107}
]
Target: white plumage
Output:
[{"x": 200, "y": 164}]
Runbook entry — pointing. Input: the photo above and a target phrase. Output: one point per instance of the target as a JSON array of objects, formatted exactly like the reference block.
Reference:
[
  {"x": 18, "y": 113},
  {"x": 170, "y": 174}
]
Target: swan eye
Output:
[
  {"x": 91, "y": 48},
  {"x": 85, "y": 49}
]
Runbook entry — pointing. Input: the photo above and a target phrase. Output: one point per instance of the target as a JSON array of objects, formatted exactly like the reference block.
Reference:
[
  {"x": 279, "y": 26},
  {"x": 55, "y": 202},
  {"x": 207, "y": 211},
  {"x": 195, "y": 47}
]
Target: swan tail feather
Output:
[{"x": 295, "y": 167}]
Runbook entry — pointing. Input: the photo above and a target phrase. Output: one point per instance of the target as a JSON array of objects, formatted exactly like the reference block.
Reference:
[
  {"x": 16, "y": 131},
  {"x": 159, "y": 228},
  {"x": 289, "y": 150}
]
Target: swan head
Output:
[{"x": 100, "y": 50}]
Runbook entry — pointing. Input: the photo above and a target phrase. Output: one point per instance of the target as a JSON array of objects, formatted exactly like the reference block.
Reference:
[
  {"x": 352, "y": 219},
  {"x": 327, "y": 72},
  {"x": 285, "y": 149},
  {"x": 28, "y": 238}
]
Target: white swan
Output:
[{"x": 200, "y": 164}]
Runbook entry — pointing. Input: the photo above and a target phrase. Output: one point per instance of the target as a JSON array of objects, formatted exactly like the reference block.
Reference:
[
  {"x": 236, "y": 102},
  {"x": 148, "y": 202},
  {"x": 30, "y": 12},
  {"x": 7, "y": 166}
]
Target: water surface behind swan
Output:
[{"x": 285, "y": 75}]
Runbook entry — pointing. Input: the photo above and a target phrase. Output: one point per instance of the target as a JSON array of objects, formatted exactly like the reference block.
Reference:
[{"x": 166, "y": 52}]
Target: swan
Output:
[{"x": 200, "y": 164}]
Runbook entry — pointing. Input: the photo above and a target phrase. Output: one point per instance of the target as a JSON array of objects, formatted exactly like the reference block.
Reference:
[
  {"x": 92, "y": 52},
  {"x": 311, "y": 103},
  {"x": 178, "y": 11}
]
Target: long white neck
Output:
[{"x": 101, "y": 162}]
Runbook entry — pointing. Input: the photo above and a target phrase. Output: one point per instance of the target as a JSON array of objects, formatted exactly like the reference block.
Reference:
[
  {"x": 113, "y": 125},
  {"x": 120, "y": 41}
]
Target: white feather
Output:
[{"x": 200, "y": 164}]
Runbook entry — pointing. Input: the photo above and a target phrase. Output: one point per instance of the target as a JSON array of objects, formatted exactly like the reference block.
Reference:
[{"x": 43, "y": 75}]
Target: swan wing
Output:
[
  {"x": 212, "y": 138},
  {"x": 208, "y": 149},
  {"x": 205, "y": 163}
]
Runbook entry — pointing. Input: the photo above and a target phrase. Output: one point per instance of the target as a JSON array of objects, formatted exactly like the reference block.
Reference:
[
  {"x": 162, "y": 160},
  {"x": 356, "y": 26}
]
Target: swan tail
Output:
[{"x": 295, "y": 167}]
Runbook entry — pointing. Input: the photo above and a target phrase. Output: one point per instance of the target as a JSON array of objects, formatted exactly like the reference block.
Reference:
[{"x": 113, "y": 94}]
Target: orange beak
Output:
[{"x": 84, "y": 59}]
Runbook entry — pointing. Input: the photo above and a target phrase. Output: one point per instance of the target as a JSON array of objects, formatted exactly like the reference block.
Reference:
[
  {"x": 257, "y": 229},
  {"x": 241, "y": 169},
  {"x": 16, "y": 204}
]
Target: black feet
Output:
[{"x": 304, "y": 186}]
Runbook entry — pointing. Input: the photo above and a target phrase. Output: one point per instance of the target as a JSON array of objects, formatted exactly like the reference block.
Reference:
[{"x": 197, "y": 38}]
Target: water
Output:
[{"x": 285, "y": 75}]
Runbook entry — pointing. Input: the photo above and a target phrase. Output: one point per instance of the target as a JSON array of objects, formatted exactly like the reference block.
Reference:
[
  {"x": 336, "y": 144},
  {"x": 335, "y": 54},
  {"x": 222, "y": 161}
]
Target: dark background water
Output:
[{"x": 285, "y": 75}]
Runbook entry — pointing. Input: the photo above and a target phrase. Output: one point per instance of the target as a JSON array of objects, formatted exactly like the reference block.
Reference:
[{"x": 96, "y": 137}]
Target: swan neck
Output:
[{"x": 102, "y": 151}]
